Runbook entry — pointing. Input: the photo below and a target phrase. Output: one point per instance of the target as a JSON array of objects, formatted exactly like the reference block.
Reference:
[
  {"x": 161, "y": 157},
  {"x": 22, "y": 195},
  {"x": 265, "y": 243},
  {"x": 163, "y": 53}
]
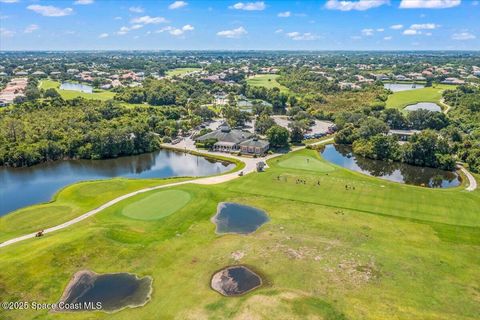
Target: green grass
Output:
[
  {"x": 70, "y": 94},
  {"x": 305, "y": 163},
  {"x": 181, "y": 71},
  {"x": 69, "y": 203},
  {"x": 268, "y": 81},
  {"x": 157, "y": 205},
  {"x": 382, "y": 251},
  {"x": 401, "y": 99}
]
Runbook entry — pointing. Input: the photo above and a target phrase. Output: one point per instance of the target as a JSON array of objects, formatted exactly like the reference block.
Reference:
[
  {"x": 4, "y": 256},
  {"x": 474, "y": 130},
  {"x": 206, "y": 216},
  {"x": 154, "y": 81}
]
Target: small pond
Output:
[
  {"x": 393, "y": 171},
  {"x": 395, "y": 87},
  {"x": 114, "y": 291},
  {"x": 238, "y": 218},
  {"x": 430, "y": 106},
  {"x": 20, "y": 187},
  {"x": 76, "y": 87},
  {"x": 234, "y": 281}
]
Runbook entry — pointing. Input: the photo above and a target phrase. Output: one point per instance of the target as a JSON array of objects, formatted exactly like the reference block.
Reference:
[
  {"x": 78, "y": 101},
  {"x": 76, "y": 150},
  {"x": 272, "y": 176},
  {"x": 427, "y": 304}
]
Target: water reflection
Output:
[
  {"x": 76, "y": 87},
  {"x": 393, "y": 171},
  {"x": 396, "y": 87},
  {"x": 430, "y": 106},
  {"x": 20, "y": 187}
]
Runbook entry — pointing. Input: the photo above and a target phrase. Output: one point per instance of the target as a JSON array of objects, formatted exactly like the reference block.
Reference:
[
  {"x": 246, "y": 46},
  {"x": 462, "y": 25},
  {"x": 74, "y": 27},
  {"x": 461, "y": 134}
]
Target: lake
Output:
[
  {"x": 235, "y": 281},
  {"x": 114, "y": 291},
  {"x": 430, "y": 106},
  {"x": 76, "y": 87},
  {"x": 395, "y": 87},
  {"x": 392, "y": 171},
  {"x": 238, "y": 218},
  {"x": 20, "y": 187}
]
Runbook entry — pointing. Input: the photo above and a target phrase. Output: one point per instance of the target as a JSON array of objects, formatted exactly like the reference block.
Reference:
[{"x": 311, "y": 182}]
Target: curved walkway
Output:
[
  {"x": 250, "y": 166},
  {"x": 472, "y": 183},
  {"x": 449, "y": 107}
]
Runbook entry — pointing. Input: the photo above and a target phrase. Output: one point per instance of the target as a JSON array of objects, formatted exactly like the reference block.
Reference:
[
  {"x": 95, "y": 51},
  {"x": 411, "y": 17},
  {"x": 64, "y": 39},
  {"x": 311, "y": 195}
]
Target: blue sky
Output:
[{"x": 234, "y": 25}]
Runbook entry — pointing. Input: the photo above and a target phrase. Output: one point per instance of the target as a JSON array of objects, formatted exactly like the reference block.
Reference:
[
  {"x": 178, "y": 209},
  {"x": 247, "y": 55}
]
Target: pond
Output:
[
  {"x": 238, "y": 218},
  {"x": 234, "y": 281},
  {"x": 108, "y": 292},
  {"x": 392, "y": 171},
  {"x": 76, "y": 87},
  {"x": 430, "y": 106},
  {"x": 396, "y": 87},
  {"x": 20, "y": 187}
]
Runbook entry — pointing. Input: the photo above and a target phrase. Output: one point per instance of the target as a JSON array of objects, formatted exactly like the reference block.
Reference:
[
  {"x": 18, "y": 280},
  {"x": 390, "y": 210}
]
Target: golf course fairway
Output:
[
  {"x": 383, "y": 250},
  {"x": 157, "y": 205}
]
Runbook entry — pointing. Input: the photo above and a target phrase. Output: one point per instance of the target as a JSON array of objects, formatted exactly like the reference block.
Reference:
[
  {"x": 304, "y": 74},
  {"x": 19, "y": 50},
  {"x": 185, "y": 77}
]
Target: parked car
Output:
[{"x": 176, "y": 141}]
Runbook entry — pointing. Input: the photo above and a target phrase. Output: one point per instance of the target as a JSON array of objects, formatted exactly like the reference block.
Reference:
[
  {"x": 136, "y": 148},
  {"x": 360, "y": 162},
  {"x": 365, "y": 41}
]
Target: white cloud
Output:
[
  {"x": 285, "y": 14},
  {"x": 123, "y": 30},
  {"x": 177, "y": 5},
  {"x": 367, "y": 32},
  {"x": 31, "y": 28},
  {"x": 424, "y": 26},
  {"x": 429, "y": 4},
  {"x": 380, "y": 30},
  {"x": 298, "y": 36},
  {"x": 411, "y": 32},
  {"x": 234, "y": 33},
  {"x": 50, "y": 11},
  {"x": 136, "y": 26},
  {"x": 117, "y": 18},
  {"x": 136, "y": 9},
  {"x": 6, "y": 33},
  {"x": 416, "y": 29},
  {"x": 360, "y": 5},
  {"x": 167, "y": 28},
  {"x": 249, "y": 6},
  {"x": 388, "y": 38},
  {"x": 188, "y": 27},
  {"x": 148, "y": 20},
  {"x": 176, "y": 31},
  {"x": 396, "y": 26},
  {"x": 83, "y": 2},
  {"x": 463, "y": 36},
  {"x": 279, "y": 31},
  {"x": 103, "y": 35},
  {"x": 9, "y": 1}
]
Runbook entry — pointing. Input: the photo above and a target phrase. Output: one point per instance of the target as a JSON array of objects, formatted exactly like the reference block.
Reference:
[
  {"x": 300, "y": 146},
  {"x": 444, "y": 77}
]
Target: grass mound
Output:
[
  {"x": 302, "y": 162},
  {"x": 158, "y": 205}
]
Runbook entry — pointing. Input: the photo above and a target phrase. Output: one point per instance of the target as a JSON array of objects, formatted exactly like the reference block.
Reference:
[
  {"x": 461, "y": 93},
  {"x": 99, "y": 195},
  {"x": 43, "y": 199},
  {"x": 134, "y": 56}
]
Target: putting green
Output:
[
  {"x": 305, "y": 163},
  {"x": 158, "y": 205}
]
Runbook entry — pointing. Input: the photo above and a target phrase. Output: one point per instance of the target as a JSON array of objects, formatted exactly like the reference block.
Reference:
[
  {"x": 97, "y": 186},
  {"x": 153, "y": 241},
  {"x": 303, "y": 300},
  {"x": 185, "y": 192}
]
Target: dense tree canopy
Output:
[{"x": 58, "y": 129}]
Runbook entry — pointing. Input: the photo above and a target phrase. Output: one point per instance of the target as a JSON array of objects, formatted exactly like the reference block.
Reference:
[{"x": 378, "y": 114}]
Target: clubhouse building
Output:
[{"x": 233, "y": 140}]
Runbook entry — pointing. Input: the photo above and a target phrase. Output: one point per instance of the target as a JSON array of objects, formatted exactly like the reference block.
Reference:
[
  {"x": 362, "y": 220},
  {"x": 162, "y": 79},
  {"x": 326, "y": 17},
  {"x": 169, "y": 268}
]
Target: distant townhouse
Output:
[{"x": 453, "y": 81}]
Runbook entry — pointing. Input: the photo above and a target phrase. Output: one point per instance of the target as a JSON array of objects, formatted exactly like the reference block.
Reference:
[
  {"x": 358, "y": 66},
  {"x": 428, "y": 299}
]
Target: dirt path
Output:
[{"x": 449, "y": 107}]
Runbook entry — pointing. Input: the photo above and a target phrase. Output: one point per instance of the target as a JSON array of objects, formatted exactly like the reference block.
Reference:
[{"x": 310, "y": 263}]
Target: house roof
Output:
[
  {"x": 225, "y": 134},
  {"x": 254, "y": 142}
]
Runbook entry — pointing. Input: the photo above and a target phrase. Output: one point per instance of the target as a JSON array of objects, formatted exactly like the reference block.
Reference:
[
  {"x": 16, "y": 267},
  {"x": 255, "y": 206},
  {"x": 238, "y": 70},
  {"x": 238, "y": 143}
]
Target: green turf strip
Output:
[
  {"x": 158, "y": 205},
  {"x": 305, "y": 163}
]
